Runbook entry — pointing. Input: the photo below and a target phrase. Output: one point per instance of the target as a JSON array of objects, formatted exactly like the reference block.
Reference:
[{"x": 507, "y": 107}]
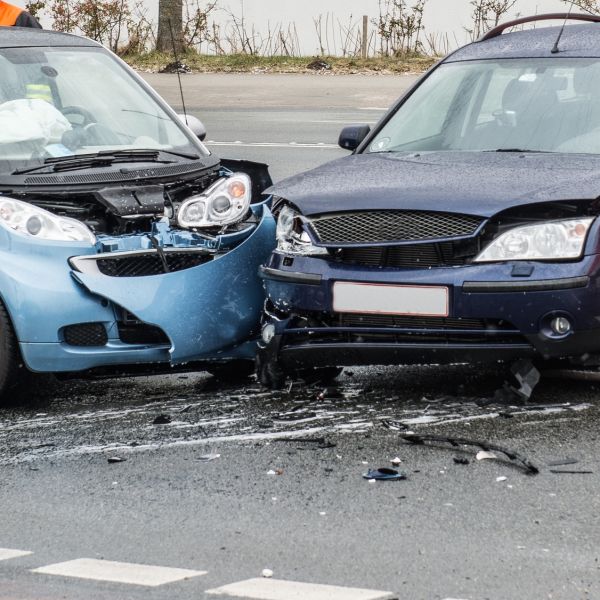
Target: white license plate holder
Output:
[{"x": 384, "y": 299}]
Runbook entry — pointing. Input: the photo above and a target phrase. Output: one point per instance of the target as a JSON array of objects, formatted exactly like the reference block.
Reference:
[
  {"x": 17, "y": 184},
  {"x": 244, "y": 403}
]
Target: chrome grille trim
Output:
[{"x": 386, "y": 226}]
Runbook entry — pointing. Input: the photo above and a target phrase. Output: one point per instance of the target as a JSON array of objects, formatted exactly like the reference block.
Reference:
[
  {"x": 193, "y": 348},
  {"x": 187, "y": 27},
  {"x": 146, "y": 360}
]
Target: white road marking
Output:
[
  {"x": 277, "y": 589},
  {"x": 7, "y": 553},
  {"x": 106, "y": 570},
  {"x": 272, "y": 144}
]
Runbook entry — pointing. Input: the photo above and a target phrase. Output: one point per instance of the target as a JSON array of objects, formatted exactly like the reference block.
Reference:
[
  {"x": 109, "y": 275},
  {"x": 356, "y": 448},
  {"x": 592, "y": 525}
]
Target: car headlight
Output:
[
  {"x": 292, "y": 238},
  {"x": 32, "y": 221},
  {"x": 554, "y": 240},
  {"x": 224, "y": 203}
]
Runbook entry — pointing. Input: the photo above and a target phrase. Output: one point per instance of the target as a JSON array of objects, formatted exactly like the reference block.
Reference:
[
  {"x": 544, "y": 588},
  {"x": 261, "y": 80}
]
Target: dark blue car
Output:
[{"x": 463, "y": 228}]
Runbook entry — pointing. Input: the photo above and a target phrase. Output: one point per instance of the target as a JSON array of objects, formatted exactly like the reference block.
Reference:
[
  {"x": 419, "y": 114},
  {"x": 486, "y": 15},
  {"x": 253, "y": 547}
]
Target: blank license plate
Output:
[{"x": 390, "y": 299}]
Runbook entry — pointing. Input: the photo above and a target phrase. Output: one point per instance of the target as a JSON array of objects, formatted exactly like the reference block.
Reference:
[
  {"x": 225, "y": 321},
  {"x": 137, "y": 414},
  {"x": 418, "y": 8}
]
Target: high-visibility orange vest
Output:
[{"x": 9, "y": 14}]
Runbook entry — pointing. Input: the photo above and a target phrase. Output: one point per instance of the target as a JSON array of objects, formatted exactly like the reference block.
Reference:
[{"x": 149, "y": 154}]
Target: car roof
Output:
[
  {"x": 576, "y": 41},
  {"x": 26, "y": 37}
]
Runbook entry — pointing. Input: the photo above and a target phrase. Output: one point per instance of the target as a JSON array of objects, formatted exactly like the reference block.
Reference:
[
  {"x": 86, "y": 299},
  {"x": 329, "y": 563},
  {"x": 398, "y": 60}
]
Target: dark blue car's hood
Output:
[{"x": 477, "y": 183}]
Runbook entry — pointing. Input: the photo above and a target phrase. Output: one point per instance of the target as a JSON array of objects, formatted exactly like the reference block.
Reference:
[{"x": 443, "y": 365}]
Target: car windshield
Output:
[
  {"x": 60, "y": 102},
  {"x": 543, "y": 105}
]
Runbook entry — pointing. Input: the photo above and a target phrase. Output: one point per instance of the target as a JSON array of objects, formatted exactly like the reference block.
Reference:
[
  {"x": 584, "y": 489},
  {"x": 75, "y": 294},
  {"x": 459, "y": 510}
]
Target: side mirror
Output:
[
  {"x": 352, "y": 136},
  {"x": 195, "y": 124}
]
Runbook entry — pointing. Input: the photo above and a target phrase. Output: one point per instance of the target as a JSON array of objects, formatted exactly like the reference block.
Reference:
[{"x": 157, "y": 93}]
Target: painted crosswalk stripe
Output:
[
  {"x": 118, "y": 572},
  {"x": 6, "y": 553},
  {"x": 276, "y": 589}
]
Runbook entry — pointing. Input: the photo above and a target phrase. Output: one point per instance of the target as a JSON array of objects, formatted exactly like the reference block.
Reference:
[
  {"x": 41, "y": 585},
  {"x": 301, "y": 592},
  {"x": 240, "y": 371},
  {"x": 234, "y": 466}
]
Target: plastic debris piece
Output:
[
  {"x": 278, "y": 471},
  {"x": 455, "y": 442},
  {"x": 208, "y": 457},
  {"x": 502, "y": 478},
  {"x": 562, "y": 462},
  {"x": 372, "y": 480},
  {"x": 267, "y": 573},
  {"x": 115, "y": 459},
  {"x": 271, "y": 472},
  {"x": 559, "y": 471},
  {"x": 322, "y": 513},
  {"x": 162, "y": 420},
  {"x": 484, "y": 455},
  {"x": 394, "y": 425},
  {"x": 460, "y": 460},
  {"x": 396, "y": 461},
  {"x": 527, "y": 377},
  {"x": 383, "y": 474}
]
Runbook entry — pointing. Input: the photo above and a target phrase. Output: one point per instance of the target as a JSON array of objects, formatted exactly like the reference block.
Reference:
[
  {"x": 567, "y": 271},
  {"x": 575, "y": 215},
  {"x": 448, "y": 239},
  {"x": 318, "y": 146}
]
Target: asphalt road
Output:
[
  {"x": 291, "y": 122},
  {"x": 286, "y": 491}
]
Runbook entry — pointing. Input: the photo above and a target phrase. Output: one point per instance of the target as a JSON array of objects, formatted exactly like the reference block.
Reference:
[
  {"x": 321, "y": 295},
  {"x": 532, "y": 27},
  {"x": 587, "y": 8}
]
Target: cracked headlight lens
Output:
[
  {"x": 34, "y": 222},
  {"x": 224, "y": 203},
  {"x": 554, "y": 240},
  {"x": 292, "y": 238}
]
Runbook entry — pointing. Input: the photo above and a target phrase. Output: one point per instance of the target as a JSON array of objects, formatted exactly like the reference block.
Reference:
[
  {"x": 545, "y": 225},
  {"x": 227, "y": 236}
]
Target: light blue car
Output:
[{"x": 124, "y": 244}]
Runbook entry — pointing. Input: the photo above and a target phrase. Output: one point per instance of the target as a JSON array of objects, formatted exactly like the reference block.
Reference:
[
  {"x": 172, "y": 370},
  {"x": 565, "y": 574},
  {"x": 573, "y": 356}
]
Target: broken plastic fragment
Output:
[
  {"x": 208, "y": 457},
  {"x": 502, "y": 478},
  {"x": 484, "y": 455},
  {"x": 396, "y": 461},
  {"x": 115, "y": 459},
  {"x": 161, "y": 420},
  {"x": 267, "y": 573},
  {"x": 383, "y": 474},
  {"x": 459, "y": 460}
]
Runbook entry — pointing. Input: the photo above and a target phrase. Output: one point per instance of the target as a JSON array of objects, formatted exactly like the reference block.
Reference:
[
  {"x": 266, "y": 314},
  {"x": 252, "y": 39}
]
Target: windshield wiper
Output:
[
  {"x": 103, "y": 158},
  {"x": 521, "y": 150}
]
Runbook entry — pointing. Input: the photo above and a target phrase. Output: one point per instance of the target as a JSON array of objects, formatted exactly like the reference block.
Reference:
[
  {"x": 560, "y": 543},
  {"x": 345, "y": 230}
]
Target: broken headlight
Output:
[
  {"x": 291, "y": 236},
  {"x": 555, "y": 240},
  {"x": 224, "y": 203},
  {"x": 31, "y": 221}
]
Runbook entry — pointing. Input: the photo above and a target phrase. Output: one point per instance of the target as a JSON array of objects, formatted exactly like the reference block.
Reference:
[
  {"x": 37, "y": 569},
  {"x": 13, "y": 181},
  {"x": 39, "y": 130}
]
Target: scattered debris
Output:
[
  {"x": 527, "y": 377},
  {"x": 319, "y": 65},
  {"x": 278, "y": 471},
  {"x": 502, "y": 478},
  {"x": 383, "y": 474},
  {"x": 208, "y": 457},
  {"x": 483, "y": 455},
  {"x": 321, "y": 441},
  {"x": 394, "y": 425},
  {"x": 271, "y": 472},
  {"x": 563, "y": 461},
  {"x": 162, "y": 420},
  {"x": 115, "y": 459},
  {"x": 330, "y": 392},
  {"x": 267, "y": 573},
  {"x": 295, "y": 416},
  {"x": 396, "y": 461},
  {"x": 459, "y": 460},
  {"x": 414, "y": 438},
  {"x": 558, "y": 471},
  {"x": 176, "y": 67}
]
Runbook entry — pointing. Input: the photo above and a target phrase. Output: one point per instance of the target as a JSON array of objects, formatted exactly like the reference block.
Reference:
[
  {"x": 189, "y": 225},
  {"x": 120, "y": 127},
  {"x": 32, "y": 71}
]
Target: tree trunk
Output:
[{"x": 170, "y": 14}]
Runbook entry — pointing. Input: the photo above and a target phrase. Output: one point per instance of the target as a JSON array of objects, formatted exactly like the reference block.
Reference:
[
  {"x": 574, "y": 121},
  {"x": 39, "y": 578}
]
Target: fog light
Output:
[
  {"x": 560, "y": 325},
  {"x": 268, "y": 333}
]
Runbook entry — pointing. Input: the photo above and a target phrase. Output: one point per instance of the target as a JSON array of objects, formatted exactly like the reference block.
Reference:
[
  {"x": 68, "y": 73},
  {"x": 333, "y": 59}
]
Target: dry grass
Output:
[{"x": 244, "y": 63}]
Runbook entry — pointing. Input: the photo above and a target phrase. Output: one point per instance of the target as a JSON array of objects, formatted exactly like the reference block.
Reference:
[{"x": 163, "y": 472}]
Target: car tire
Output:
[
  {"x": 11, "y": 371},
  {"x": 234, "y": 370}
]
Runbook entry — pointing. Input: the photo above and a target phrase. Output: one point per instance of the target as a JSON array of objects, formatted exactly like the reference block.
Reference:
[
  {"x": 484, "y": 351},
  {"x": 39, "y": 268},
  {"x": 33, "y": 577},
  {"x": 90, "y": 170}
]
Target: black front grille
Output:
[
  {"x": 141, "y": 333},
  {"x": 424, "y": 323},
  {"x": 444, "y": 254},
  {"x": 85, "y": 334},
  {"x": 392, "y": 226},
  {"x": 140, "y": 265}
]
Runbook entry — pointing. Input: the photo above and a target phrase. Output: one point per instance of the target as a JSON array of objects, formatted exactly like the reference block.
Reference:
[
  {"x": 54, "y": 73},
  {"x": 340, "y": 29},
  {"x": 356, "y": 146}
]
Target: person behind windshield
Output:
[{"x": 11, "y": 15}]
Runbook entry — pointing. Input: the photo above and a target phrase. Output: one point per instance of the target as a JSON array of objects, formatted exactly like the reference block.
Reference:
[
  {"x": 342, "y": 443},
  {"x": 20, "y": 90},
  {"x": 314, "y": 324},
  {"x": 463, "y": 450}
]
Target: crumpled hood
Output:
[{"x": 477, "y": 183}]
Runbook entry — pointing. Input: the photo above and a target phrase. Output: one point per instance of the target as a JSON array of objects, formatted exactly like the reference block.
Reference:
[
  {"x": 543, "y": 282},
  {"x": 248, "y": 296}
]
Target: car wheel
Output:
[
  {"x": 322, "y": 375},
  {"x": 10, "y": 371},
  {"x": 234, "y": 370}
]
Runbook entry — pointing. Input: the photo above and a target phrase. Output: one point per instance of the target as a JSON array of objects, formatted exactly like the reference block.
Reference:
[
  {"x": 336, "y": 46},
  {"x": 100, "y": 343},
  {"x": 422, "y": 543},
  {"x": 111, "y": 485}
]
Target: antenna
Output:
[
  {"x": 555, "y": 47},
  {"x": 177, "y": 65}
]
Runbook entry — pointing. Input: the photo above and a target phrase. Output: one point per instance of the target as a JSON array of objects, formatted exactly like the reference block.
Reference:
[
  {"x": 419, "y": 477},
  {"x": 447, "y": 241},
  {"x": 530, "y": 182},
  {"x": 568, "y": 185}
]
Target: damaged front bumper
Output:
[
  {"x": 171, "y": 297},
  {"x": 495, "y": 313}
]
